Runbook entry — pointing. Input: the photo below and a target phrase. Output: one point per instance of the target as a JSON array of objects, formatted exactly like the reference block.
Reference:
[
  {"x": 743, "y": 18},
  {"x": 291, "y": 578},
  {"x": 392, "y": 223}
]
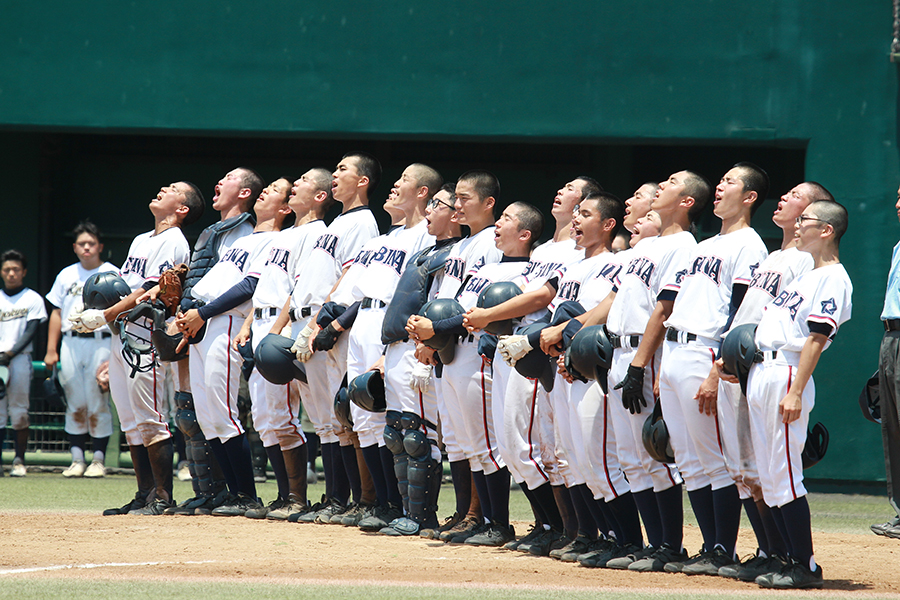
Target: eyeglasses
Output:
[
  {"x": 802, "y": 218},
  {"x": 434, "y": 202}
]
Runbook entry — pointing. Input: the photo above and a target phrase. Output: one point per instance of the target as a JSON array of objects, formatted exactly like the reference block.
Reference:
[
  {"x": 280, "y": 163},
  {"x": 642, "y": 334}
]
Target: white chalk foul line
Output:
[{"x": 100, "y": 566}]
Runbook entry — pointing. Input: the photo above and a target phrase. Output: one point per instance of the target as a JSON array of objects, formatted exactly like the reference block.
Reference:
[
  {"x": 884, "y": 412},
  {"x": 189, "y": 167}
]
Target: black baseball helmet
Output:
[
  {"x": 536, "y": 364},
  {"x": 655, "y": 435},
  {"x": 102, "y": 290},
  {"x": 438, "y": 310},
  {"x": 870, "y": 400},
  {"x": 275, "y": 361},
  {"x": 342, "y": 406},
  {"x": 589, "y": 355},
  {"x": 816, "y": 445},
  {"x": 738, "y": 352},
  {"x": 493, "y": 295},
  {"x": 367, "y": 391}
]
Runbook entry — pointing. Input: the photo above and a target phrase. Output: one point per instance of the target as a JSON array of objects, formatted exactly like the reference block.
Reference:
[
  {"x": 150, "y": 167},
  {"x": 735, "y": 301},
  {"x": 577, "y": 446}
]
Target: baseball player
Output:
[
  {"x": 356, "y": 175},
  {"x": 713, "y": 283},
  {"x": 794, "y": 330},
  {"x": 476, "y": 193},
  {"x": 276, "y": 419},
  {"x": 223, "y": 296},
  {"x": 776, "y": 272},
  {"x": 367, "y": 288},
  {"x": 87, "y": 407},
  {"x": 138, "y": 398},
  {"x": 888, "y": 390},
  {"x": 514, "y": 233},
  {"x": 527, "y": 428},
  {"x": 21, "y": 311},
  {"x": 409, "y": 385}
]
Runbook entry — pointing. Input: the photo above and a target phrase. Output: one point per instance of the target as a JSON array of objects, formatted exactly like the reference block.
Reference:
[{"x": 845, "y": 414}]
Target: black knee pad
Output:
[
  {"x": 417, "y": 444},
  {"x": 393, "y": 439},
  {"x": 410, "y": 420},
  {"x": 186, "y": 420},
  {"x": 184, "y": 400}
]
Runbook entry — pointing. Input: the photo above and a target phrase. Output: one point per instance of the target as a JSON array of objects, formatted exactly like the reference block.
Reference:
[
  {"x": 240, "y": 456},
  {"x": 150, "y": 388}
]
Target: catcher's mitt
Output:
[{"x": 171, "y": 283}]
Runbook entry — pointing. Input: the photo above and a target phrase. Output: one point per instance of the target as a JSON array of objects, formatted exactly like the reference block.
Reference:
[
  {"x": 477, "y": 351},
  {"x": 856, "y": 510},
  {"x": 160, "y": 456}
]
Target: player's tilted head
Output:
[
  {"x": 830, "y": 213},
  {"x": 697, "y": 187},
  {"x": 251, "y": 180},
  {"x": 366, "y": 166},
  {"x": 756, "y": 180},
  {"x": 529, "y": 219},
  {"x": 193, "y": 201},
  {"x": 428, "y": 177},
  {"x": 610, "y": 207},
  {"x": 589, "y": 186},
  {"x": 484, "y": 183}
]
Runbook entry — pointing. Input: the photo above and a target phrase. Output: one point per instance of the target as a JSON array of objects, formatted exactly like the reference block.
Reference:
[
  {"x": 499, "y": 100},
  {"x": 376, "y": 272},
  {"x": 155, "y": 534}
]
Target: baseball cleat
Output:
[
  {"x": 139, "y": 501},
  {"x": 750, "y": 569},
  {"x": 403, "y": 526},
  {"x": 95, "y": 470},
  {"x": 710, "y": 564},
  {"x": 658, "y": 560},
  {"x": 263, "y": 511},
  {"x": 793, "y": 576},
  {"x": 156, "y": 507},
  {"x": 76, "y": 469},
  {"x": 495, "y": 535},
  {"x": 435, "y": 532},
  {"x": 883, "y": 528}
]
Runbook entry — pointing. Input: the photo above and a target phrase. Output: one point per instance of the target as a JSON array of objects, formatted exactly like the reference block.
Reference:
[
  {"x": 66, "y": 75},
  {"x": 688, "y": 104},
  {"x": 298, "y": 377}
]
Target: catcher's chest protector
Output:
[
  {"x": 205, "y": 254},
  {"x": 412, "y": 292}
]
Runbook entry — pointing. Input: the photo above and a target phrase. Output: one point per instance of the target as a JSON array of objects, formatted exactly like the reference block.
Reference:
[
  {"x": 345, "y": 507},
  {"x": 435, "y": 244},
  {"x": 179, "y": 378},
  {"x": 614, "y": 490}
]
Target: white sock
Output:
[
  {"x": 77, "y": 454},
  {"x": 99, "y": 456},
  {"x": 812, "y": 564}
]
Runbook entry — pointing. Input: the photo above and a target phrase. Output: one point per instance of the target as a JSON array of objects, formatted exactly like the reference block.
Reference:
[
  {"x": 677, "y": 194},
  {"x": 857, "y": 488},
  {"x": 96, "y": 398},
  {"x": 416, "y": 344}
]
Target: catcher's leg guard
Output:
[
  {"x": 142, "y": 470},
  {"x": 258, "y": 455},
  {"x": 197, "y": 449},
  {"x": 161, "y": 454},
  {"x": 424, "y": 475},
  {"x": 393, "y": 439}
]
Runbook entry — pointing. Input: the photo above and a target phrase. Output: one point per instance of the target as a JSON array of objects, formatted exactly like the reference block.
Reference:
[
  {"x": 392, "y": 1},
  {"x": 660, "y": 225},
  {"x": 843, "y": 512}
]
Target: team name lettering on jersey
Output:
[
  {"x": 768, "y": 281},
  {"x": 541, "y": 270},
  {"x": 610, "y": 271},
  {"x": 279, "y": 257},
  {"x": 75, "y": 289},
  {"x": 790, "y": 301},
  {"x": 568, "y": 290},
  {"x": 237, "y": 256},
  {"x": 134, "y": 264},
  {"x": 454, "y": 268},
  {"x": 165, "y": 267},
  {"x": 328, "y": 243},
  {"x": 642, "y": 268},
  {"x": 476, "y": 284},
  {"x": 711, "y": 266},
  {"x": 12, "y": 314},
  {"x": 391, "y": 257}
]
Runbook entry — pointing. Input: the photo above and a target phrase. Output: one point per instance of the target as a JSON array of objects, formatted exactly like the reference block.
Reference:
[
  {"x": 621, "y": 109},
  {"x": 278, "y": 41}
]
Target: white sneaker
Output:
[
  {"x": 95, "y": 469},
  {"x": 76, "y": 469},
  {"x": 18, "y": 469},
  {"x": 184, "y": 473}
]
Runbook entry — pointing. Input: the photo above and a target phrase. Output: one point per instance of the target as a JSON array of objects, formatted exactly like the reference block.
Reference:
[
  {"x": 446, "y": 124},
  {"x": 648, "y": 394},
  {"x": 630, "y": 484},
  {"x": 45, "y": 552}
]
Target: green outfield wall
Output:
[{"x": 103, "y": 102}]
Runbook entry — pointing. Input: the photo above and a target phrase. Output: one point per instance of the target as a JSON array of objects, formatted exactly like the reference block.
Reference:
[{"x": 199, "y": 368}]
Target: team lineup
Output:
[{"x": 605, "y": 383}]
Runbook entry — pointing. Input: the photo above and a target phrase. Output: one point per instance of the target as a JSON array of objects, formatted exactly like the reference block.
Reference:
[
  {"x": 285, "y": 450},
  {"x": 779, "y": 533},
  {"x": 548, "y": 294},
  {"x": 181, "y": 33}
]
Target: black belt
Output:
[
  {"x": 672, "y": 335},
  {"x": 262, "y": 313},
  {"x": 372, "y": 303},
  {"x": 631, "y": 341},
  {"x": 763, "y": 355},
  {"x": 300, "y": 313},
  {"x": 891, "y": 324},
  {"x": 91, "y": 334}
]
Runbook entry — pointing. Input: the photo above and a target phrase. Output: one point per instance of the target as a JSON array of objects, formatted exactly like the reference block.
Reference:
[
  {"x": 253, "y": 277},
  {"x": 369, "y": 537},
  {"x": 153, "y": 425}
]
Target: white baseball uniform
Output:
[
  {"x": 821, "y": 300},
  {"x": 527, "y": 419},
  {"x": 333, "y": 251},
  {"x": 87, "y": 408},
  {"x": 373, "y": 278},
  {"x": 700, "y": 315},
  {"x": 215, "y": 366},
  {"x": 649, "y": 269},
  {"x": 141, "y": 400},
  {"x": 769, "y": 279},
  {"x": 467, "y": 376},
  {"x": 15, "y": 312}
]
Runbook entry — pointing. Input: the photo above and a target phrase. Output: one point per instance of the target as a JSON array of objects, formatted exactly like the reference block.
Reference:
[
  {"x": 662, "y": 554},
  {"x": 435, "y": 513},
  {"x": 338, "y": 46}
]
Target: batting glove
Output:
[
  {"x": 327, "y": 338},
  {"x": 420, "y": 378},
  {"x": 633, "y": 389},
  {"x": 301, "y": 346},
  {"x": 90, "y": 320},
  {"x": 513, "y": 347}
]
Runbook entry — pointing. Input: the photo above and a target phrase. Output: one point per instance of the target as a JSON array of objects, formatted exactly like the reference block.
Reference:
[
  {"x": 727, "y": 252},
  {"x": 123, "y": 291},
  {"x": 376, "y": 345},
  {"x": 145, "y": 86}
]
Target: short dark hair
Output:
[
  {"x": 610, "y": 207},
  {"x": 591, "y": 186},
  {"x": 322, "y": 179},
  {"x": 451, "y": 189},
  {"x": 367, "y": 166},
  {"x": 819, "y": 191},
  {"x": 428, "y": 177},
  {"x": 15, "y": 255},
  {"x": 531, "y": 219},
  {"x": 254, "y": 182},
  {"x": 697, "y": 187},
  {"x": 756, "y": 180},
  {"x": 834, "y": 214},
  {"x": 485, "y": 183},
  {"x": 193, "y": 200},
  {"x": 88, "y": 227}
]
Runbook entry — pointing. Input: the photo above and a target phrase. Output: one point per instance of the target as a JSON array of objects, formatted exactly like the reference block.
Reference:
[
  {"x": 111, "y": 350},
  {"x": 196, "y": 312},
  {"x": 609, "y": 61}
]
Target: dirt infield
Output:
[{"x": 223, "y": 549}]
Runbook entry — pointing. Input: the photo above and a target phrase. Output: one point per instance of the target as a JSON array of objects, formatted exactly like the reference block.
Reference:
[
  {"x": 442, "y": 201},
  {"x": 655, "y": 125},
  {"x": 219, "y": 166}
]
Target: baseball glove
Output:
[{"x": 171, "y": 283}]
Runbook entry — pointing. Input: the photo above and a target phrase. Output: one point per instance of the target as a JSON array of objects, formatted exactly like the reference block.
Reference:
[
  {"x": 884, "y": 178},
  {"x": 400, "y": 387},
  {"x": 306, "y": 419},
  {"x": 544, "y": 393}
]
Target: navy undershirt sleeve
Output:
[
  {"x": 237, "y": 295},
  {"x": 347, "y": 319},
  {"x": 27, "y": 336},
  {"x": 451, "y": 325}
]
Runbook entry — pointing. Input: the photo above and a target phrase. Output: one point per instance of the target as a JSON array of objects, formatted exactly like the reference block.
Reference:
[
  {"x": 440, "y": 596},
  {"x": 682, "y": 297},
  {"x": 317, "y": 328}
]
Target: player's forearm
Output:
[
  {"x": 54, "y": 330},
  {"x": 126, "y": 303},
  {"x": 284, "y": 317},
  {"x": 809, "y": 358},
  {"x": 654, "y": 333}
]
